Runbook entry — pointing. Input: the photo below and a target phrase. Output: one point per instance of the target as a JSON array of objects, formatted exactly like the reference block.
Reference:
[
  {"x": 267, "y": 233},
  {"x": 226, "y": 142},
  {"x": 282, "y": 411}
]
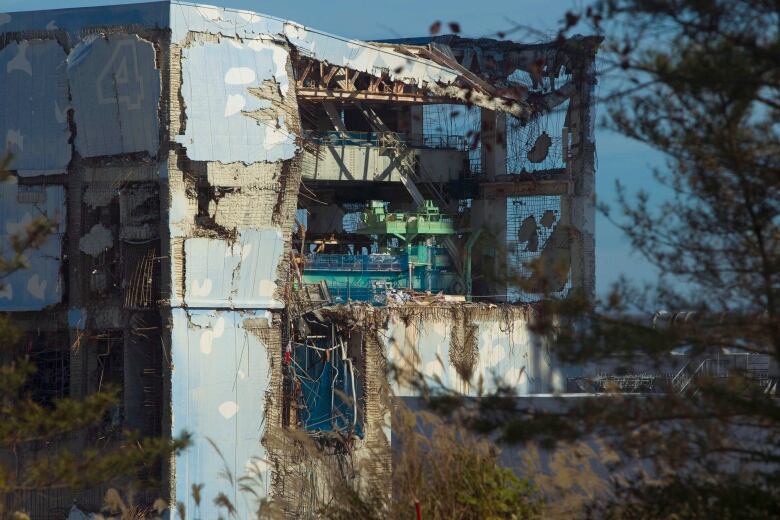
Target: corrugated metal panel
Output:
[
  {"x": 34, "y": 106},
  {"x": 116, "y": 91},
  {"x": 220, "y": 373},
  {"x": 239, "y": 275},
  {"x": 216, "y": 82},
  {"x": 41, "y": 284}
]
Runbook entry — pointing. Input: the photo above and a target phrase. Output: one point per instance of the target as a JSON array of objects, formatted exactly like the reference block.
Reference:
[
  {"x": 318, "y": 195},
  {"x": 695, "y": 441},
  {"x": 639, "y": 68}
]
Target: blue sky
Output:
[{"x": 618, "y": 157}]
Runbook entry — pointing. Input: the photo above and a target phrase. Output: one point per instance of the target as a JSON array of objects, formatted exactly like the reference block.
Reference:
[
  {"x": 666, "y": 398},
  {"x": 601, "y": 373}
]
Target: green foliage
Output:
[
  {"x": 53, "y": 439},
  {"x": 443, "y": 468},
  {"x": 490, "y": 491},
  {"x": 699, "y": 82}
]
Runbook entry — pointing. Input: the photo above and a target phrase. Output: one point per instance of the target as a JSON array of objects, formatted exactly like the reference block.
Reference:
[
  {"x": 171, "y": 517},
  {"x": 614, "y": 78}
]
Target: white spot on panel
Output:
[
  {"x": 206, "y": 340},
  {"x": 235, "y": 103},
  {"x": 256, "y": 466},
  {"x": 228, "y": 409},
  {"x": 513, "y": 375},
  {"x": 201, "y": 290},
  {"x": 14, "y": 137},
  {"x": 37, "y": 287},
  {"x": 98, "y": 240},
  {"x": 240, "y": 76},
  {"x": 246, "y": 249},
  {"x": 4, "y": 18},
  {"x": 20, "y": 61},
  {"x": 266, "y": 288},
  {"x": 13, "y": 228},
  {"x": 51, "y": 26},
  {"x": 210, "y": 13},
  {"x": 6, "y": 291},
  {"x": 61, "y": 114},
  {"x": 219, "y": 327}
]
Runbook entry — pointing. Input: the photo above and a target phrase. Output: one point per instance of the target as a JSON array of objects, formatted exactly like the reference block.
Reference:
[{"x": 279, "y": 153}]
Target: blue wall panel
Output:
[
  {"x": 243, "y": 274},
  {"x": 41, "y": 284},
  {"x": 74, "y": 21},
  {"x": 220, "y": 374},
  {"x": 215, "y": 87},
  {"x": 115, "y": 86},
  {"x": 34, "y": 106}
]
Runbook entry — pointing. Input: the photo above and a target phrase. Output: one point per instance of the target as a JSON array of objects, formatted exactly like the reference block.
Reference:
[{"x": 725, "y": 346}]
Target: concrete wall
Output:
[{"x": 491, "y": 343}]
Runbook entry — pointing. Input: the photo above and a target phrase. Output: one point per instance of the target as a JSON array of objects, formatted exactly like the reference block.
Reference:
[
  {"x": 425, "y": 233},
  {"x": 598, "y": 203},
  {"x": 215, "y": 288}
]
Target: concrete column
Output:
[
  {"x": 135, "y": 353},
  {"x": 578, "y": 208},
  {"x": 490, "y": 215},
  {"x": 416, "y": 125},
  {"x": 76, "y": 317},
  {"x": 493, "y": 143}
]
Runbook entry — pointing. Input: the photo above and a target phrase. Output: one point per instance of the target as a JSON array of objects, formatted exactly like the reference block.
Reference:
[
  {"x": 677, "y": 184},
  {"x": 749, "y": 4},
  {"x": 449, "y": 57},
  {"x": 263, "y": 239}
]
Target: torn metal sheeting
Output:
[
  {"x": 355, "y": 54},
  {"x": 217, "y": 79}
]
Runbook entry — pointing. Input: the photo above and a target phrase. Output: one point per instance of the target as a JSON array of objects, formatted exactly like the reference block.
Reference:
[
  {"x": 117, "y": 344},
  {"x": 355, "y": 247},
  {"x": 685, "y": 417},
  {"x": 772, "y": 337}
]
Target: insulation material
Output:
[
  {"x": 40, "y": 285},
  {"x": 115, "y": 84},
  {"x": 221, "y": 274},
  {"x": 220, "y": 373},
  {"x": 248, "y": 207},
  {"x": 355, "y": 54},
  {"x": 34, "y": 106},
  {"x": 217, "y": 79}
]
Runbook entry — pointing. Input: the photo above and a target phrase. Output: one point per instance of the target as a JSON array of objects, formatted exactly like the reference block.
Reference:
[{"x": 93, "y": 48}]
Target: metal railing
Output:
[
  {"x": 355, "y": 263},
  {"x": 753, "y": 367},
  {"x": 435, "y": 141}
]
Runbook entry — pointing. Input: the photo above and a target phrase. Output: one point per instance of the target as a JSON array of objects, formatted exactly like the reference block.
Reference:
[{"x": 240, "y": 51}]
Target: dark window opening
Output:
[
  {"x": 50, "y": 355},
  {"x": 109, "y": 373}
]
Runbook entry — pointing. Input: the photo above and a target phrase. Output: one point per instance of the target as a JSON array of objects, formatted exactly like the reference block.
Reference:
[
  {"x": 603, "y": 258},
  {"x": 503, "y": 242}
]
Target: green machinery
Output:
[{"x": 406, "y": 254}]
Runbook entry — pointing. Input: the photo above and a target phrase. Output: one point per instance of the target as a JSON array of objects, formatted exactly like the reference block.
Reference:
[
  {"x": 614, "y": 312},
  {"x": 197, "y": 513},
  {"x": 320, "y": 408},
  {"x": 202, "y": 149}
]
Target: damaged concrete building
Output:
[{"x": 254, "y": 218}]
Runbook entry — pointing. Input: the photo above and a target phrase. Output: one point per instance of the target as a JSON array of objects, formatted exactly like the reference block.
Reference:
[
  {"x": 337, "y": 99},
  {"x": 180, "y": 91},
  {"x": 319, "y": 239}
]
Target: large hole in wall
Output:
[
  {"x": 324, "y": 381},
  {"x": 50, "y": 355}
]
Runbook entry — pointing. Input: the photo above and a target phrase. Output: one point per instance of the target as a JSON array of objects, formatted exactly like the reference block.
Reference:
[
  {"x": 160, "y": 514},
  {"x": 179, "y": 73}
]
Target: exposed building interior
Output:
[{"x": 253, "y": 219}]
